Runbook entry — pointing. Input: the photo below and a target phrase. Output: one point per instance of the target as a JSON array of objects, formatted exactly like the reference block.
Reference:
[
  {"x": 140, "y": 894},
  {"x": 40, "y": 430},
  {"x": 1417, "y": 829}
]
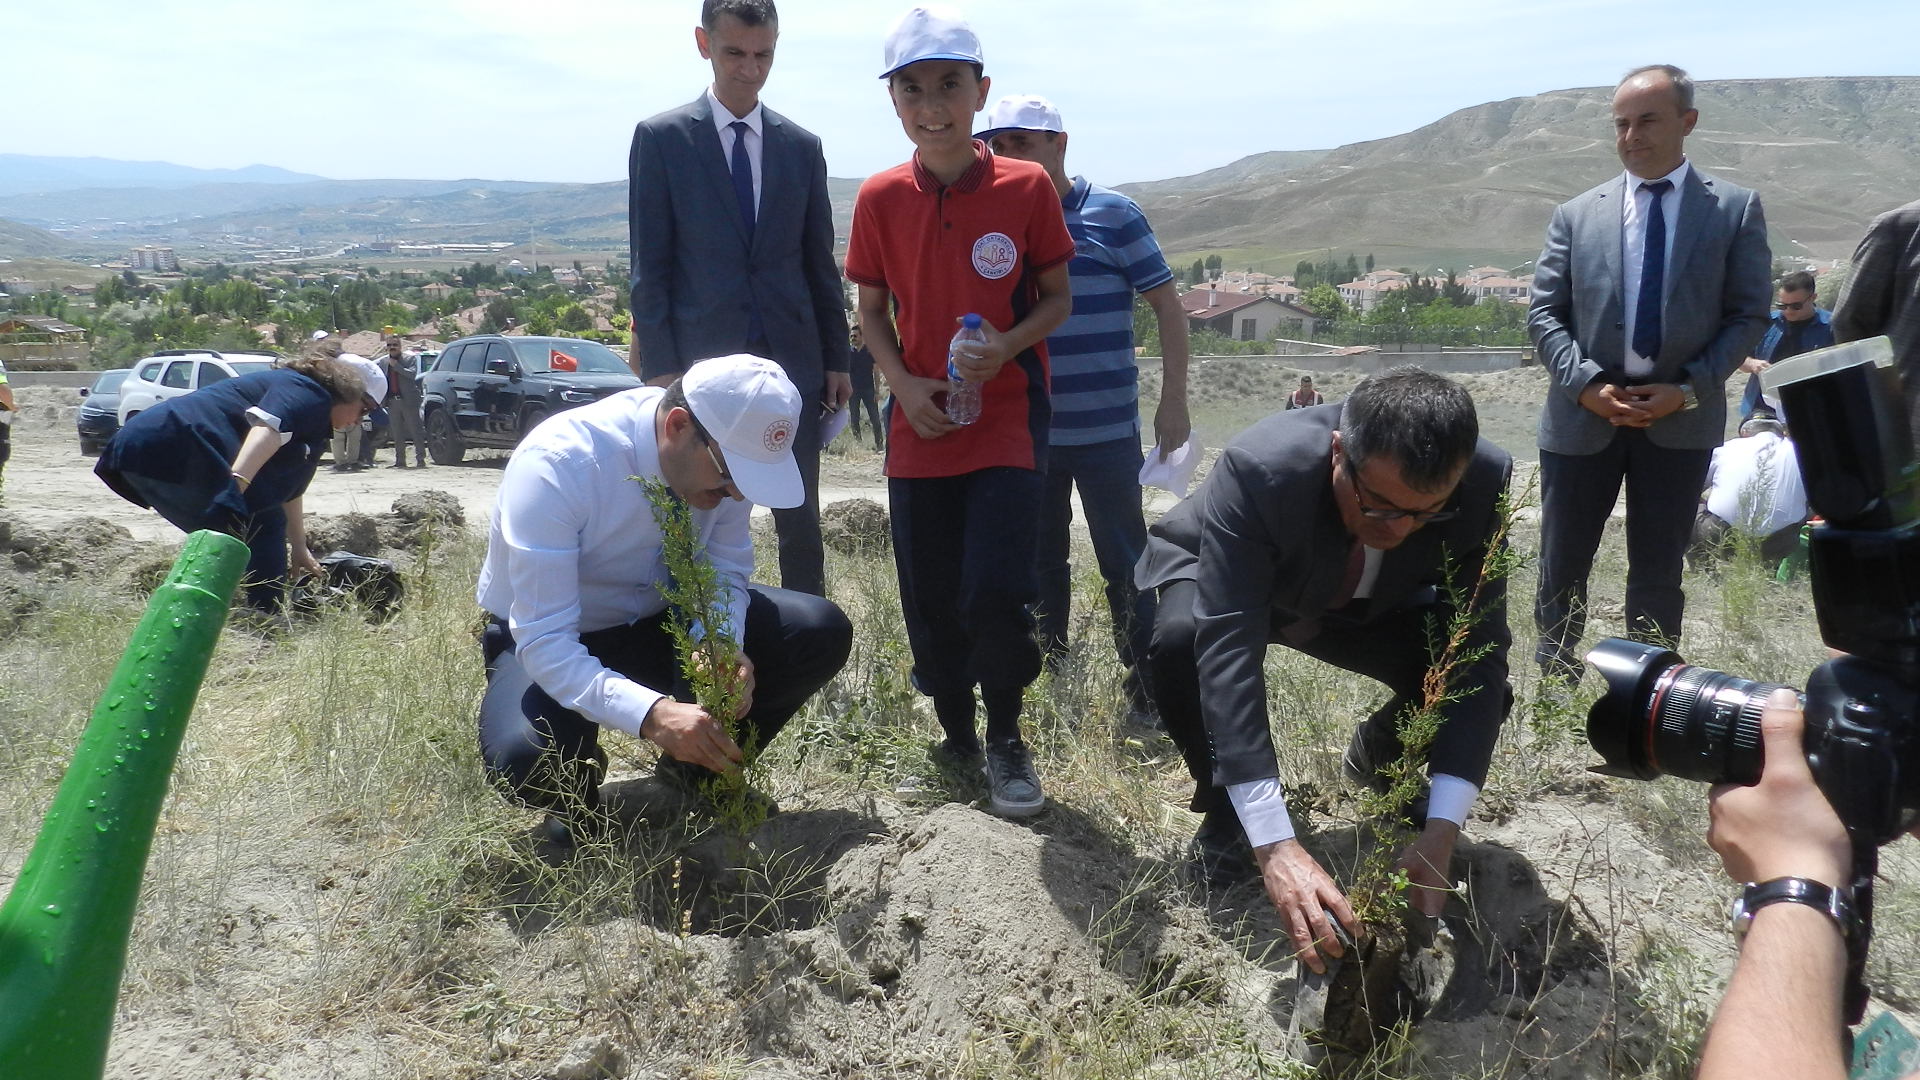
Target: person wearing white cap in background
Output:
[
  {"x": 1095, "y": 441},
  {"x": 578, "y": 641},
  {"x": 958, "y": 230}
]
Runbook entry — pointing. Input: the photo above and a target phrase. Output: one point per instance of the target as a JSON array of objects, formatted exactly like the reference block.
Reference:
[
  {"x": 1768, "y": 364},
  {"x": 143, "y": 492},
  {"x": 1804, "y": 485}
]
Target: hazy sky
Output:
[{"x": 550, "y": 89}]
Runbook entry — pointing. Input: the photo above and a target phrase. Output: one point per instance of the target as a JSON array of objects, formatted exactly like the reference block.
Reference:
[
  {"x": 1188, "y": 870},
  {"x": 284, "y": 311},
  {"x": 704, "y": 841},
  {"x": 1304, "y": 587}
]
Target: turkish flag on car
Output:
[{"x": 559, "y": 361}]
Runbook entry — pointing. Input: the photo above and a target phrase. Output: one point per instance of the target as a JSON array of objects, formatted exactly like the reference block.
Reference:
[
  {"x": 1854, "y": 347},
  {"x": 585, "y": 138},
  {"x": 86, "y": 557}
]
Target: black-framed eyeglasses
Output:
[
  {"x": 1795, "y": 306},
  {"x": 1389, "y": 512}
]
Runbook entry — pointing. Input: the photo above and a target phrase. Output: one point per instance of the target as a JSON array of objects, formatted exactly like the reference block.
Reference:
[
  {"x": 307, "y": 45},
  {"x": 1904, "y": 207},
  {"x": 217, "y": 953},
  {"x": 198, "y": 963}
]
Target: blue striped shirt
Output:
[{"x": 1096, "y": 392}]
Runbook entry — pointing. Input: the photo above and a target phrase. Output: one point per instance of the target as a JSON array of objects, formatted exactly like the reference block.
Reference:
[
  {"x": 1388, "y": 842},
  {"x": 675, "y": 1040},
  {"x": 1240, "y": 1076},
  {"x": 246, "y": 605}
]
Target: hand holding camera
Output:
[{"x": 1781, "y": 827}]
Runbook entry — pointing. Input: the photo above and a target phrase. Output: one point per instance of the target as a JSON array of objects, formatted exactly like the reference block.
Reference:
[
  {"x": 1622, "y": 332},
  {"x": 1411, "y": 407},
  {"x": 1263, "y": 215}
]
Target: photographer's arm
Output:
[{"x": 1781, "y": 1015}]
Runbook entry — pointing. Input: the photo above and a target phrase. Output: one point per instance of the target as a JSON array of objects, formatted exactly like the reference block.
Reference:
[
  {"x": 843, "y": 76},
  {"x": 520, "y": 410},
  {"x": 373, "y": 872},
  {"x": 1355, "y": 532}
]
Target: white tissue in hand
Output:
[{"x": 1175, "y": 472}]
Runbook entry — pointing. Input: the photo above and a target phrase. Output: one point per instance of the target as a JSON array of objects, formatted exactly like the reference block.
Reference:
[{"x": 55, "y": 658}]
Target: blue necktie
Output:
[
  {"x": 742, "y": 174},
  {"x": 1653, "y": 275}
]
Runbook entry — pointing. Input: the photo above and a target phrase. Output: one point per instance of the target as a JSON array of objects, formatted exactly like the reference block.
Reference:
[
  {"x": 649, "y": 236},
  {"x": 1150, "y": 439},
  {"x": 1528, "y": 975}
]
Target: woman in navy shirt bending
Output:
[{"x": 237, "y": 456}]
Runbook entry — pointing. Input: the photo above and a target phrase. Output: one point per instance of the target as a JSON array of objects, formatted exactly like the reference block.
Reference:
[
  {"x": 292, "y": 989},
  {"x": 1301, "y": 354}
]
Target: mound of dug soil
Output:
[
  {"x": 404, "y": 527},
  {"x": 856, "y": 526},
  {"x": 87, "y": 545},
  {"x": 956, "y": 936}
]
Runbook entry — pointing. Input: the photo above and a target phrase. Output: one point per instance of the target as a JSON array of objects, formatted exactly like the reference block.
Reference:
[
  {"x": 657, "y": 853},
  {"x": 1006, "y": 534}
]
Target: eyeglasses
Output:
[
  {"x": 1388, "y": 512},
  {"x": 715, "y": 458},
  {"x": 1795, "y": 306}
]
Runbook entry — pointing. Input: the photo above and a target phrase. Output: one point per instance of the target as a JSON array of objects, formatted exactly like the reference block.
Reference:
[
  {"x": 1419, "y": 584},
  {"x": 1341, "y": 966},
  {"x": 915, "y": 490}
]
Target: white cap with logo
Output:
[
  {"x": 930, "y": 32},
  {"x": 1021, "y": 112},
  {"x": 752, "y": 411}
]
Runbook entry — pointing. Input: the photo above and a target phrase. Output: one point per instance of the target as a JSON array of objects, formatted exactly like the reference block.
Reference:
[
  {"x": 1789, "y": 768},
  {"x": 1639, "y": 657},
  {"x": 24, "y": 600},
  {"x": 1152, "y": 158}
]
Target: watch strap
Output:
[{"x": 1836, "y": 903}]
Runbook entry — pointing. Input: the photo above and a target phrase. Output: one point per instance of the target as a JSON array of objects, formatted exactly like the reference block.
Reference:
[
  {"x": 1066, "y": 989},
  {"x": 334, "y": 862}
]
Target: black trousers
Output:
[
  {"x": 1578, "y": 492},
  {"x": 550, "y": 757},
  {"x": 1713, "y": 540},
  {"x": 964, "y": 549},
  {"x": 1392, "y": 650}
]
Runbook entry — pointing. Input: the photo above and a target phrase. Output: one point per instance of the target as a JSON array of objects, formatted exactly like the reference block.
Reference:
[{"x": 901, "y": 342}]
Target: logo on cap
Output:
[
  {"x": 994, "y": 255},
  {"x": 779, "y": 433}
]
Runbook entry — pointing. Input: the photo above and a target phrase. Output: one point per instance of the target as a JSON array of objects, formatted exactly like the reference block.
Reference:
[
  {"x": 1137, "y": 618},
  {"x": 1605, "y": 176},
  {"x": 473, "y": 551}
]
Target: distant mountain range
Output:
[
  {"x": 1476, "y": 186},
  {"x": 22, "y": 174}
]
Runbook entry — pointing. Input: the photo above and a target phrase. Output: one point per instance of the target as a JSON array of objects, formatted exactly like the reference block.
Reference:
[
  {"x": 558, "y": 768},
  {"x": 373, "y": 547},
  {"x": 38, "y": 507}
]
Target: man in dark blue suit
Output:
[
  {"x": 1650, "y": 292},
  {"x": 732, "y": 238}
]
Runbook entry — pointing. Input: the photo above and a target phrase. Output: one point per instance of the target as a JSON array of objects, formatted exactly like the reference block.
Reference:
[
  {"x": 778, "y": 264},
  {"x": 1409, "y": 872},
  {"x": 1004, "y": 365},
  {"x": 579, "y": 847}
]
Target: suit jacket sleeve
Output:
[
  {"x": 823, "y": 277},
  {"x": 1232, "y": 612},
  {"x": 1550, "y": 317},
  {"x": 650, "y": 230},
  {"x": 1866, "y": 306},
  {"x": 1743, "y": 303},
  {"x": 1464, "y": 745}
]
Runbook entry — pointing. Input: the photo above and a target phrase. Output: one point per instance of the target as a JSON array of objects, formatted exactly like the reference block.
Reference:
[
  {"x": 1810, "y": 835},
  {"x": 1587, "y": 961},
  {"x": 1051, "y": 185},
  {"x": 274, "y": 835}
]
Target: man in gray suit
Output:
[
  {"x": 1344, "y": 532},
  {"x": 732, "y": 240},
  {"x": 1651, "y": 290}
]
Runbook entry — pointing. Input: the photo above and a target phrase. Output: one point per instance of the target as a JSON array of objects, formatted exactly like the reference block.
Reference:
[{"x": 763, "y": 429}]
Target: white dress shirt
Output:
[
  {"x": 722, "y": 118},
  {"x": 1754, "y": 485},
  {"x": 573, "y": 548},
  {"x": 1633, "y": 244},
  {"x": 1261, "y": 805}
]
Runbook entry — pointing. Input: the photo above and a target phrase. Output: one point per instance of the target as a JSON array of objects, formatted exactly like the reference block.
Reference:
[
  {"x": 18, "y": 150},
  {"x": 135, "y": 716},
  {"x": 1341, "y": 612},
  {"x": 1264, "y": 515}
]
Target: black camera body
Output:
[{"x": 1660, "y": 716}]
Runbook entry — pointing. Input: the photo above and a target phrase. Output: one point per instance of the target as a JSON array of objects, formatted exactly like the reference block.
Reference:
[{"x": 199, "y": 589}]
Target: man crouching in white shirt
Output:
[{"x": 578, "y": 639}]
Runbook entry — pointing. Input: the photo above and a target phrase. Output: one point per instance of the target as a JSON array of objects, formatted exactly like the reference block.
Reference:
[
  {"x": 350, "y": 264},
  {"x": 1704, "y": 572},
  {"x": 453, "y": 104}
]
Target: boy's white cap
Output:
[
  {"x": 752, "y": 411},
  {"x": 930, "y": 32},
  {"x": 1021, "y": 112},
  {"x": 370, "y": 373}
]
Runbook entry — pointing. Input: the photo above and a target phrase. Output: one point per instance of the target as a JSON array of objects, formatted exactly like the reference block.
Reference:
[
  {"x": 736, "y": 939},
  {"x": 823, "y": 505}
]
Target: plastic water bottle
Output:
[{"x": 963, "y": 397}]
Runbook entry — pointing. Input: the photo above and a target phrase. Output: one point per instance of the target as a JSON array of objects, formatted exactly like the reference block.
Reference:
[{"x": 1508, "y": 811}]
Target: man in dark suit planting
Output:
[{"x": 1347, "y": 532}]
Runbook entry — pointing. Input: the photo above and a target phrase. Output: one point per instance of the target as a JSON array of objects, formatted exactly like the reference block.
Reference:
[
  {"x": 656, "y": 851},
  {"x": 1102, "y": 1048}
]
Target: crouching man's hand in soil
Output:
[
  {"x": 686, "y": 733},
  {"x": 1425, "y": 862},
  {"x": 1303, "y": 894}
]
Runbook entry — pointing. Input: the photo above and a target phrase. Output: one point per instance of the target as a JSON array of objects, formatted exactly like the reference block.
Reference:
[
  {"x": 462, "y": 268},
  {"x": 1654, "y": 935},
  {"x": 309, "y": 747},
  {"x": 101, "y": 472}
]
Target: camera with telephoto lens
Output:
[{"x": 1663, "y": 717}]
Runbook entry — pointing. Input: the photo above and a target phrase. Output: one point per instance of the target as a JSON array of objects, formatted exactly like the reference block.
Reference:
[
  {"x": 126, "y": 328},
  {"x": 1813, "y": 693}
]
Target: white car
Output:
[{"x": 173, "y": 372}]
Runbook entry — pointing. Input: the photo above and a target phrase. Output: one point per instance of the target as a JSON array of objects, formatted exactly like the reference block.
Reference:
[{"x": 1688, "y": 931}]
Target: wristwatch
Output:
[
  {"x": 1688, "y": 399},
  {"x": 1837, "y": 903}
]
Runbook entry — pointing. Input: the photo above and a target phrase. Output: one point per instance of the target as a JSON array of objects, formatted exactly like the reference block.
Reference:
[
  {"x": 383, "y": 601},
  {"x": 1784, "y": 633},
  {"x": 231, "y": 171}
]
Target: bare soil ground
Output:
[{"x": 335, "y": 892}]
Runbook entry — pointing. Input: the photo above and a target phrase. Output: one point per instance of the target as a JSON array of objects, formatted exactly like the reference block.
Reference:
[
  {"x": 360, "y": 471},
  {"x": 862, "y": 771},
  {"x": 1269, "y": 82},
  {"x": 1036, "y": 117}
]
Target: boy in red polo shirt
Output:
[{"x": 957, "y": 230}]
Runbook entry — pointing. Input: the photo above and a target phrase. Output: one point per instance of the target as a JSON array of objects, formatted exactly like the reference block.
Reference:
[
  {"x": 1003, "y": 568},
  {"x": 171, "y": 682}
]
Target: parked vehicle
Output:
[
  {"x": 173, "y": 372},
  {"x": 491, "y": 390},
  {"x": 99, "y": 415}
]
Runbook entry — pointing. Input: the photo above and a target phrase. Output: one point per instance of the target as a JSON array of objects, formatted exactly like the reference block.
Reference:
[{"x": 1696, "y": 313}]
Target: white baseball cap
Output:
[
  {"x": 752, "y": 411},
  {"x": 930, "y": 32},
  {"x": 370, "y": 373},
  {"x": 1021, "y": 112}
]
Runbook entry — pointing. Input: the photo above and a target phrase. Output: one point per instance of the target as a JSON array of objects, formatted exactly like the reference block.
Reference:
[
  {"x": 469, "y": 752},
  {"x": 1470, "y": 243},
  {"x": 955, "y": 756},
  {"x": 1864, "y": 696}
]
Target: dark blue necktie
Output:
[
  {"x": 742, "y": 174},
  {"x": 1653, "y": 275}
]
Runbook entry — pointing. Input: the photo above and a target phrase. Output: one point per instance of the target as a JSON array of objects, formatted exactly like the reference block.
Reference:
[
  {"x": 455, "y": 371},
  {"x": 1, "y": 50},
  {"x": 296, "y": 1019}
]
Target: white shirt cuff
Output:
[
  {"x": 1262, "y": 808},
  {"x": 260, "y": 417},
  {"x": 1451, "y": 798}
]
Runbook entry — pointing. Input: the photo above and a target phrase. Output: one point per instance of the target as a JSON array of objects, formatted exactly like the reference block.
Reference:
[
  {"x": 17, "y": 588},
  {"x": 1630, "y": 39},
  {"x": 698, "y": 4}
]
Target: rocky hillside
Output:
[{"x": 1826, "y": 154}]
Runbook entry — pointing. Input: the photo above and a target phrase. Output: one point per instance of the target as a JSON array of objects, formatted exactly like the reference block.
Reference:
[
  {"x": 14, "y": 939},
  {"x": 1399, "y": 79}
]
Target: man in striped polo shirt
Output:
[{"x": 1095, "y": 435}]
